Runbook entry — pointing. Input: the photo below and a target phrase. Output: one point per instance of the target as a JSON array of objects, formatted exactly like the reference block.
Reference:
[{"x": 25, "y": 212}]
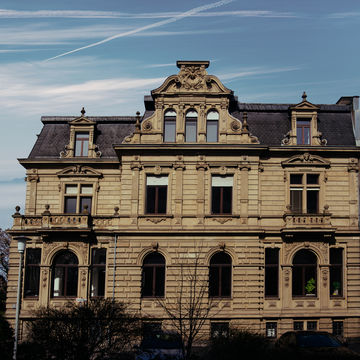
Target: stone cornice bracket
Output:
[
  {"x": 179, "y": 164},
  {"x": 222, "y": 246},
  {"x": 353, "y": 165},
  {"x": 261, "y": 167},
  {"x": 32, "y": 178},
  {"x": 136, "y": 165}
]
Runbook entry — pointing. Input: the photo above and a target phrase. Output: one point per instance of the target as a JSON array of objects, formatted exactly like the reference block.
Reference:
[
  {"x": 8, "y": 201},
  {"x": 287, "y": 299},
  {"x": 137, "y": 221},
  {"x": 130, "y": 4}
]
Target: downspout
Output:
[{"x": 114, "y": 269}]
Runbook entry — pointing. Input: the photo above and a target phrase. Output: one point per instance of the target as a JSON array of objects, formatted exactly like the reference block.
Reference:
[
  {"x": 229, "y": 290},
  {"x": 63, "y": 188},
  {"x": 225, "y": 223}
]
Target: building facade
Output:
[{"x": 263, "y": 197}]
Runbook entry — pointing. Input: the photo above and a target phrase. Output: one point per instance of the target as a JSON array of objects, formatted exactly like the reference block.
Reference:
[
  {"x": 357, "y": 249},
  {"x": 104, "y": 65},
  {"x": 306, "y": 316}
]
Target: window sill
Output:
[
  {"x": 156, "y": 216},
  {"x": 305, "y": 297},
  {"x": 230, "y": 215},
  {"x": 272, "y": 297},
  {"x": 28, "y": 297}
]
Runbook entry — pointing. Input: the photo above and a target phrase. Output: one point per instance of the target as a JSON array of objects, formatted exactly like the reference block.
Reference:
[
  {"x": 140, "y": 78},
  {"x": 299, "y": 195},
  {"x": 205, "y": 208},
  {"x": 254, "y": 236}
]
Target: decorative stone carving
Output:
[
  {"x": 235, "y": 126},
  {"x": 147, "y": 125},
  {"x": 306, "y": 159},
  {"x": 353, "y": 165},
  {"x": 83, "y": 278},
  {"x": 79, "y": 170},
  {"x": 222, "y": 220},
  {"x": 156, "y": 220},
  {"x": 286, "y": 277},
  {"x": 325, "y": 273},
  {"x": 193, "y": 77}
]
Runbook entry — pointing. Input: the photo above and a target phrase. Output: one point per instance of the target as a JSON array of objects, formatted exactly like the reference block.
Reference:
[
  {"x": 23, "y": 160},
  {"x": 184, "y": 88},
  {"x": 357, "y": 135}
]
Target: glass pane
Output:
[
  {"x": 336, "y": 280},
  {"x": 225, "y": 281},
  {"x": 215, "y": 200},
  {"x": 81, "y": 144},
  {"x": 65, "y": 258},
  {"x": 312, "y": 201},
  {"x": 305, "y": 257},
  {"x": 98, "y": 256},
  {"x": 227, "y": 200},
  {"x": 159, "y": 281},
  {"x": 211, "y": 130},
  {"x": 214, "y": 281},
  {"x": 150, "y": 199},
  {"x": 147, "y": 281},
  {"x": 169, "y": 130},
  {"x": 162, "y": 193},
  {"x": 296, "y": 178},
  {"x": 32, "y": 279},
  {"x": 212, "y": 115},
  {"x": 271, "y": 281},
  {"x": 71, "y": 189},
  {"x": 190, "y": 131},
  {"x": 70, "y": 205},
  {"x": 220, "y": 258},
  {"x": 86, "y": 189},
  {"x": 154, "y": 258},
  {"x": 85, "y": 201},
  {"x": 271, "y": 256},
  {"x": 312, "y": 178},
  {"x": 306, "y": 136},
  {"x": 297, "y": 281},
  {"x": 72, "y": 281},
  {"x": 33, "y": 256},
  {"x": 170, "y": 113},
  {"x": 336, "y": 256},
  {"x": 58, "y": 282},
  {"x": 98, "y": 281},
  {"x": 296, "y": 200}
]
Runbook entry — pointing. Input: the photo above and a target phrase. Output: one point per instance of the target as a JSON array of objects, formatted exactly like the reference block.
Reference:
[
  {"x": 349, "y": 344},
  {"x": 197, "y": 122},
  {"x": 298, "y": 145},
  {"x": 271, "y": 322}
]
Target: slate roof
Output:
[{"x": 269, "y": 122}]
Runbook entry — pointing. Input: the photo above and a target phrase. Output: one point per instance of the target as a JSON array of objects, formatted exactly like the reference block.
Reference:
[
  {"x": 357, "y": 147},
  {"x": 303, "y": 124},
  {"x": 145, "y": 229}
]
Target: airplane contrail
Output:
[{"x": 146, "y": 27}]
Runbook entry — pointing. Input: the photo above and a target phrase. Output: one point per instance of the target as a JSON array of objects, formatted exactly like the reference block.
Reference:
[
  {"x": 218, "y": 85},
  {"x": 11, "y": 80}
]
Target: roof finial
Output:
[
  {"x": 83, "y": 111},
  {"x": 304, "y": 96},
  {"x": 137, "y": 124},
  {"x": 245, "y": 126}
]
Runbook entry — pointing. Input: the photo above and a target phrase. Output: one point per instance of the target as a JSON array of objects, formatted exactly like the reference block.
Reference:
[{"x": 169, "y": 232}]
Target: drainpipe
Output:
[{"x": 114, "y": 270}]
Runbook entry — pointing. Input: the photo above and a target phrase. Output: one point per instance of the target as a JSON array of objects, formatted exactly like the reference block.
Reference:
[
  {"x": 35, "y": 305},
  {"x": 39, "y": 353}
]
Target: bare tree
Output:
[
  {"x": 4, "y": 266},
  {"x": 190, "y": 308}
]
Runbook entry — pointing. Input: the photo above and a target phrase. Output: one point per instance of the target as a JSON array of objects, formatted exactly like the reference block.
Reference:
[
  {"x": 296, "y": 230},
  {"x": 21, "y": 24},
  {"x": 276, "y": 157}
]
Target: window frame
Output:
[
  {"x": 191, "y": 120},
  {"x": 339, "y": 268},
  {"x": 218, "y": 269},
  {"x": 169, "y": 120},
  {"x": 157, "y": 276},
  {"x": 219, "y": 329},
  {"x": 222, "y": 200},
  {"x": 271, "y": 325},
  {"x": 270, "y": 266},
  {"x": 338, "y": 327},
  {"x": 301, "y": 128},
  {"x": 306, "y": 189},
  {"x": 79, "y": 196},
  {"x": 65, "y": 281},
  {"x": 31, "y": 269},
  {"x": 210, "y": 121},
  {"x": 97, "y": 267},
  {"x": 157, "y": 189},
  {"x": 303, "y": 267},
  {"x": 80, "y": 142}
]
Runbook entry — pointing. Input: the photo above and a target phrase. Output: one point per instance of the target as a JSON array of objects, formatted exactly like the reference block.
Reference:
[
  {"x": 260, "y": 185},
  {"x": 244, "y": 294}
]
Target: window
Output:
[
  {"x": 311, "y": 325},
  {"x": 338, "y": 328},
  {"x": 219, "y": 329},
  {"x": 32, "y": 272},
  {"x": 191, "y": 126},
  {"x": 336, "y": 270},
  {"x": 151, "y": 329},
  {"x": 156, "y": 194},
  {"x": 65, "y": 275},
  {"x": 304, "y": 275},
  {"x": 271, "y": 329},
  {"x": 298, "y": 325},
  {"x": 153, "y": 276},
  {"x": 81, "y": 144},
  {"x": 303, "y": 133},
  {"x": 220, "y": 275},
  {"x": 304, "y": 193},
  {"x": 78, "y": 198},
  {"x": 98, "y": 268},
  {"x": 169, "y": 126},
  {"x": 212, "y": 126},
  {"x": 221, "y": 194},
  {"x": 271, "y": 272}
]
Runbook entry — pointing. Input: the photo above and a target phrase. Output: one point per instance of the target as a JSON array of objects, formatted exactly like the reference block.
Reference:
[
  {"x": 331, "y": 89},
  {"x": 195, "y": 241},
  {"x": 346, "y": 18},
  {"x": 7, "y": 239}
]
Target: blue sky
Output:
[{"x": 57, "y": 56}]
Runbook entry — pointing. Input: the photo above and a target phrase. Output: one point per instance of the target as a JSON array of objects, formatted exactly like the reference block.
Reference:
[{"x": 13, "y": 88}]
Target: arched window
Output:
[
  {"x": 169, "y": 126},
  {"x": 220, "y": 275},
  {"x": 304, "y": 274},
  {"x": 212, "y": 126},
  {"x": 65, "y": 274},
  {"x": 191, "y": 126},
  {"x": 153, "y": 276}
]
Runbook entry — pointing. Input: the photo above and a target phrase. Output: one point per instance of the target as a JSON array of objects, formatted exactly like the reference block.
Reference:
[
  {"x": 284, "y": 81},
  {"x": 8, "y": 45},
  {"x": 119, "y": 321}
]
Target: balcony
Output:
[{"x": 302, "y": 225}]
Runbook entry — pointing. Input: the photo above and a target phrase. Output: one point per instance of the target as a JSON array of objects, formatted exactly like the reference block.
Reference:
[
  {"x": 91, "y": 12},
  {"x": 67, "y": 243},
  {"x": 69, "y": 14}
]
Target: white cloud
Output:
[
  {"x": 89, "y": 14},
  {"x": 344, "y": 15}
]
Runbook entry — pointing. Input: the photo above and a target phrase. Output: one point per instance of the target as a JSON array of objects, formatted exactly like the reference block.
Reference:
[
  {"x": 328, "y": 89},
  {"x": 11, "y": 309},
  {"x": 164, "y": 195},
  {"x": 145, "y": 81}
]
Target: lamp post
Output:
[{"x": 21, "y": 248}]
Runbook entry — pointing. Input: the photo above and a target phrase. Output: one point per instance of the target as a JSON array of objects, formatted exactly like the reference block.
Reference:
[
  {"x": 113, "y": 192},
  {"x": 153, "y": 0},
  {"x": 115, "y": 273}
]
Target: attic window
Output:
[
  {"x": 169, "y": 126},
  {"x": 81, "y": 144},
  {"x": 303, "y": 131}
]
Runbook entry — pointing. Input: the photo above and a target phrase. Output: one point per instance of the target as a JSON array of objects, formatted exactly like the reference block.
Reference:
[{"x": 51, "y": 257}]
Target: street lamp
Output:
[{"x": 21, "y": 248}]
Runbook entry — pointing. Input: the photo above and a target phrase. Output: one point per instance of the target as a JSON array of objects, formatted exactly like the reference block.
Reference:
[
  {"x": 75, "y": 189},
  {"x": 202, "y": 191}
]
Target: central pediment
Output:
[{"x": 192, "y": 78}]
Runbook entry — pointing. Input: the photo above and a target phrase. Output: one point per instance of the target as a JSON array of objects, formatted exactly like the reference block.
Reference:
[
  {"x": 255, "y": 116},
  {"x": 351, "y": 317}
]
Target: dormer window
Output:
[
  {"x": 212, "y": 126},
  {"x": 303, "y": 132},
  {"x": 191, "y": 126},
  {"x": 81, "y": 144},
  {"x": 170, "y": 126}
]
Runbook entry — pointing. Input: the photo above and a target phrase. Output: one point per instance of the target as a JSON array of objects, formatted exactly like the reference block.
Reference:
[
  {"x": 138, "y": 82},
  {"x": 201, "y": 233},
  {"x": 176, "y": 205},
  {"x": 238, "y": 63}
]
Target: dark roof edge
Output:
[{"x": 66, "y": 119}]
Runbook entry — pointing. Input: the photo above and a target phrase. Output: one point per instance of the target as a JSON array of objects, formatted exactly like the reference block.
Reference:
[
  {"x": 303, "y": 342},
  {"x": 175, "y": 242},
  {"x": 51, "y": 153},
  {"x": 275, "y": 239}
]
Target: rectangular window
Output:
[
  {"x": 303, "y": 132},
  {"x": 311, "y": 325},
  {"x": 81, "y": 144},
  {"x": 271, "y": 272},
  {"x": 151, "y": 329},
  {"x": 338, "y": 328},
  {"x": 221, "y": 194},
  {"x": 98, "y": 271},
  {"x": 32, "y": 272},
  {"x": 336, "y": 272},
  {"x": 190, "y": 130},
  {"x": 304, "y": 193},
  {"x": 298, "y": 325},
  {"x": 271, "y": 329},
  {"x": 78, "y": 198},
  {"x": 219, "y": 329},
  {"x": 169, "y": 130},
  {"x": 156, "y": 194},
  {"x": 212, "y": 130}
]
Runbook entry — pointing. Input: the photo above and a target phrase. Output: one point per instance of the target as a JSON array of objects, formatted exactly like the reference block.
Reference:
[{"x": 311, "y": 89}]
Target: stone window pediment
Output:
[{"x": 307, "y": 160}]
